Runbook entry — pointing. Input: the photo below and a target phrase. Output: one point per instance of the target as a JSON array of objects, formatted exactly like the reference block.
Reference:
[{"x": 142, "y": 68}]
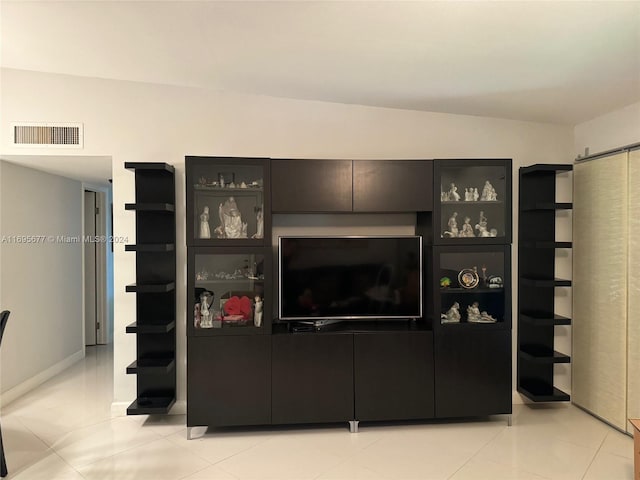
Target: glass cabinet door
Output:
[
  {"x": 228, "y": 291},
  {"x": 226, "y": 201},
  {"x": 473, "y": 204},
  {"x": 470, "y": 286}
]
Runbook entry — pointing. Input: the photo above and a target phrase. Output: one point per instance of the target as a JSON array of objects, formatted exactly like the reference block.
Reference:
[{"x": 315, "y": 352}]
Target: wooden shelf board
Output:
[
  {"x": 151, "y": 287},
  {"x": 151, "y": 405},
  {"x": 151, "y": 365},
  {"x": 545, "y": 282},
  {"x": 543, "y": 354},
  {"x": 546, "y": 167},
  {"x": 150, "y": 207},
  {"x": 545, "y": 244},
  {"x": 457, "y": 290},
  {"x": 155, "y": 166},
  {"x": 547, "y": 206},
  {"x": 163, "y": 327},
  {"x": 537, "y": 391},
  {"x": 150, "y": 247},
  {"x": 543, "y": 318}
]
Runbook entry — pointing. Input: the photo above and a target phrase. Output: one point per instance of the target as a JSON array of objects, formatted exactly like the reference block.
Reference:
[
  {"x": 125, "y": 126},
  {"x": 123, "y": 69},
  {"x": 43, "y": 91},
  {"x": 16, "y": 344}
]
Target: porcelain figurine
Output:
[
  {"x": 452, "y": 224},
  {"x": 452, "y": 315},
  {"x": 206, "y": 299},
  {"x": 231, "y": 225},
  {"x": 467, "y": 229},
  {"x": 259, "y": 223},
  {"x": 473, "y": 312},
  {"x": 453, "y": 193},
  {"x": 257, "y": 315},
  {"x": 205, "y": 232}
]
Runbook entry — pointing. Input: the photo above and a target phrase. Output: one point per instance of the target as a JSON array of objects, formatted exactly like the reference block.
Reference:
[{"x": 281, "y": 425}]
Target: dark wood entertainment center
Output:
[{"x": 245, "y": 367}]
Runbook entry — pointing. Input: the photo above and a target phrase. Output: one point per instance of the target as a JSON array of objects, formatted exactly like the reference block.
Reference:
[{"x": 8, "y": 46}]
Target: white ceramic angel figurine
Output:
[
  {"x": 257, "y": 316},
  {"x": 476, "y": 195},
  {"x": 205, "y": 232}
]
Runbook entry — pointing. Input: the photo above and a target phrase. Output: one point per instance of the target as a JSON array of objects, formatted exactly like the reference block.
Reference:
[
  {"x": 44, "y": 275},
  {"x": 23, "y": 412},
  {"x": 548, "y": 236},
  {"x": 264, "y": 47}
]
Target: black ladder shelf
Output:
[
  {"x": 537, "y": 283},
  {"x": 155, "y": 288}
]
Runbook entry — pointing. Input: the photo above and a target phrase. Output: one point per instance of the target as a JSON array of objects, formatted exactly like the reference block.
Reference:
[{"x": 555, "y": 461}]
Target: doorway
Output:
[{"x": 95, "y": 268}]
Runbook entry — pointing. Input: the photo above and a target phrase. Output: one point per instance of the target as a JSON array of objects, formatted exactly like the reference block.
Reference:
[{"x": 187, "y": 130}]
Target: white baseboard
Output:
[
  {"x": 119, "y": 409},
  {"x": 37, "y": 380}
]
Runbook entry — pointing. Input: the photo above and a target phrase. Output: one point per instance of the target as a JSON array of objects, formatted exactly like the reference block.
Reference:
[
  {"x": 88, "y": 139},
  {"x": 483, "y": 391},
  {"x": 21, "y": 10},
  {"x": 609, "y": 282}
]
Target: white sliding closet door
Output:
[
  {"x": 633, "y": 316},
  {"x": 599, "y": 327}
]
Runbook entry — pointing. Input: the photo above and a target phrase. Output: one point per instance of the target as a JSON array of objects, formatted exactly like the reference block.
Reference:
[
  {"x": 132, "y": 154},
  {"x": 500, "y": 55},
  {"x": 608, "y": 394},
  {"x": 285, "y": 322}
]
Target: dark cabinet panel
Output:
[
  {"x": 473, "y": 373},
  {"x": 312, "y": 378},
  {"x": 229, "y": 380},
  {"x": 392, "y": 185},
  {"x": 311, "y": 185},
  {"x": 393, "y": 375}
]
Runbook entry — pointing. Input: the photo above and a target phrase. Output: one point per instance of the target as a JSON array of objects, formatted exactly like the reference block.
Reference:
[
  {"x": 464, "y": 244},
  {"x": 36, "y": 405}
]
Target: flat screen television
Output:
[{"x": 350, "y": 278}]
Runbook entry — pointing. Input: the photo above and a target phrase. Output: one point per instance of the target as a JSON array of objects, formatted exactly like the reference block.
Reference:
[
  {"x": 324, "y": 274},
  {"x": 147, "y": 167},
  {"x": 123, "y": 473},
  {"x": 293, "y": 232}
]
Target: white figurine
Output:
[
  {"x": 205, "y": 313},
  {"x": 257, "y": 316},
  {"x": 204, "y": 223},
  {"x": 473, "y": 312},
  {"x": 231, "y": 224},
  {"x": 453, "y": 193},
  {"x": 452, "y": 315},
  {"x": 476, "y": 195},
  {"x": 488, "y": 193},
  {"x": 481, "y": 226},
  {"x": 260, "y": 224},
  {"x": 486, "y": 318},
  {"x": 453, "y": 226},
  {"x": 467, "y": 229}
]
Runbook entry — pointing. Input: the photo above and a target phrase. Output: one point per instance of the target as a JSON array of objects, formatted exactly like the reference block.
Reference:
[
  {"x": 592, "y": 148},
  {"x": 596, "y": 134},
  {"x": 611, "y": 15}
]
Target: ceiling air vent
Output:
[{"x": 67, "y": 135}]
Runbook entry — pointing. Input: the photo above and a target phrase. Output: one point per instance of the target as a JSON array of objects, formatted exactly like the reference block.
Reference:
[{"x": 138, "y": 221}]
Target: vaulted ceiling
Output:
[{"x": 548, "y": 61}]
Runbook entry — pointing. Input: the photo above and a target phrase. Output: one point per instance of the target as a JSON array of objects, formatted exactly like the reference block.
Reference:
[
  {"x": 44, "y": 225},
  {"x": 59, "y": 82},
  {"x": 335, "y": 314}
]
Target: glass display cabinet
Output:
[
  {"x": 227, "y": 291},
  {"x": 228, "y": 201},
  {"x": 469, "y": 287},
  {"x": 473, "y": 202}
]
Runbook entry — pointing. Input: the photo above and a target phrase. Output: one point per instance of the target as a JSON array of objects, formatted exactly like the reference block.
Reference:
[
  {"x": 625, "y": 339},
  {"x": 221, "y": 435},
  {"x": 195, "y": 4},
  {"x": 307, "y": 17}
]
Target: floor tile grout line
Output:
[
  {"x": 594, "y": 457},
  {"x": 478, "y": 451}
]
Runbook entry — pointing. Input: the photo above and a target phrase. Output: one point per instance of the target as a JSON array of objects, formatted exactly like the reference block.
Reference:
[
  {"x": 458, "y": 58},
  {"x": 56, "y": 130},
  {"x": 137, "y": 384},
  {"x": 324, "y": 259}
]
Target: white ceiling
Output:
[
  {"x": 93, "y": 170},
  {"x": 549, "y": 61}
]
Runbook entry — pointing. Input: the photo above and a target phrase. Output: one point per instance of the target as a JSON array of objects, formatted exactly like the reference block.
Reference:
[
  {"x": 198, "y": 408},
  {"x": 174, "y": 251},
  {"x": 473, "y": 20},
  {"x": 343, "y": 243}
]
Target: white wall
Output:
[
  {"x": 142, "y": 122},
  {"x": 613, "y": 130},
  {"x": 42, "y": 281}
]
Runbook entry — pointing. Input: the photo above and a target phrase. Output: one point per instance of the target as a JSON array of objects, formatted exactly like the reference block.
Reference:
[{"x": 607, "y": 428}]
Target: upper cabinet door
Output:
[
  {"x": 228, "y": 201},
  {"x": 392, "y": 185},
  {"x": 311, "y": 186}
]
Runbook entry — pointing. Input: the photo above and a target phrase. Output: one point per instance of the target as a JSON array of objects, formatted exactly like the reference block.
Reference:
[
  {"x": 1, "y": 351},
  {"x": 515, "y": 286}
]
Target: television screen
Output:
[{"x": 350, "y": 278}]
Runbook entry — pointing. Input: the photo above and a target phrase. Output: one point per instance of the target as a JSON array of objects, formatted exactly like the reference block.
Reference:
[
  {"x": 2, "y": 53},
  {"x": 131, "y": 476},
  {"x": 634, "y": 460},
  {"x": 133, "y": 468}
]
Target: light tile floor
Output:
[{"x": 63, "y": 430}]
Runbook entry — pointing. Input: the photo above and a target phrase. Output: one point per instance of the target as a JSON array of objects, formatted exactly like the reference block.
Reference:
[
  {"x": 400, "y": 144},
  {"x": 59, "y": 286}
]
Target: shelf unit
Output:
[
  {"x": 155, "y": 288},
  {"x": 537, "y": 283}
]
